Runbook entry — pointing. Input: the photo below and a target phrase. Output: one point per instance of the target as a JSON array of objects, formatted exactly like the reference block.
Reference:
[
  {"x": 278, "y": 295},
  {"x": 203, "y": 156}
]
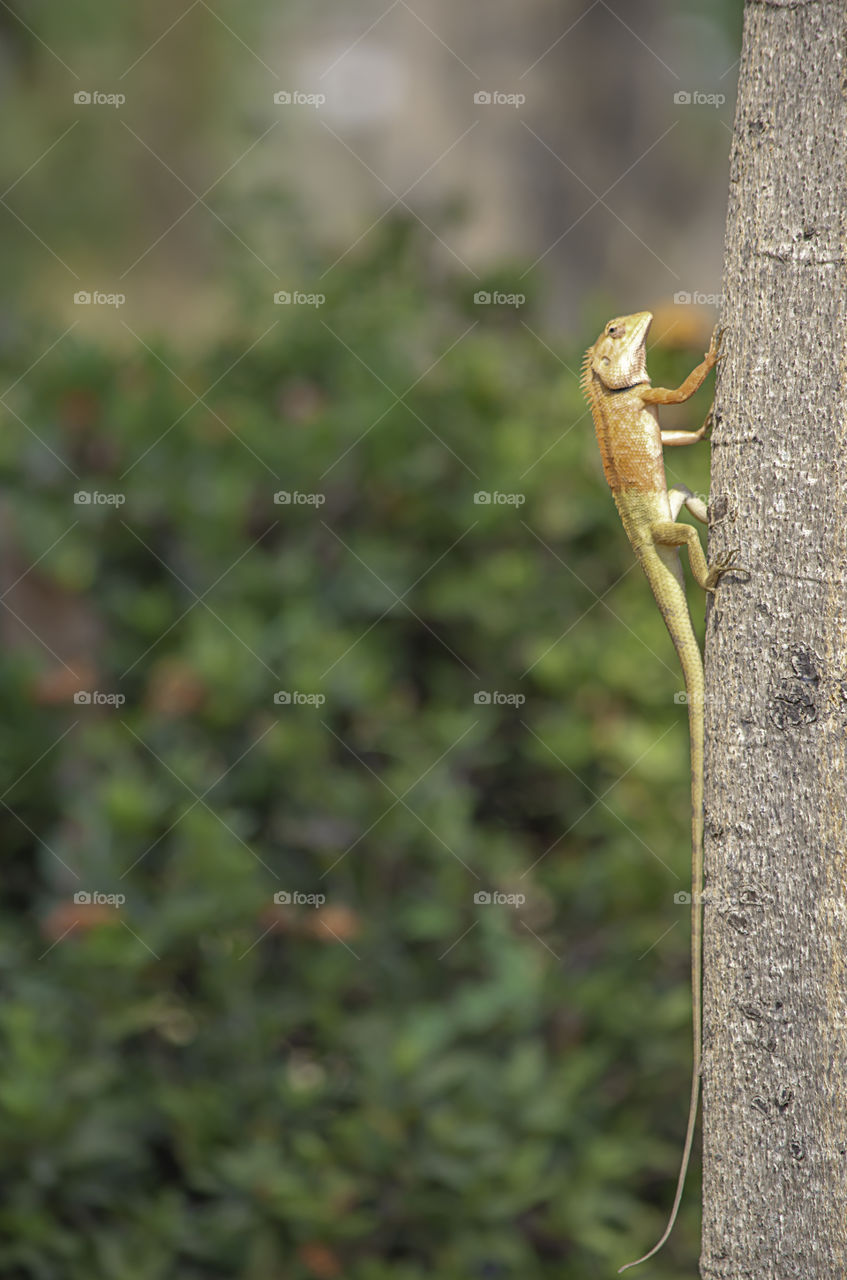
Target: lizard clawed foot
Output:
[
  {"x": 710, "y": 418},
  {"x": 726, "y": 564},
  {"x": 714, "y": 353}
]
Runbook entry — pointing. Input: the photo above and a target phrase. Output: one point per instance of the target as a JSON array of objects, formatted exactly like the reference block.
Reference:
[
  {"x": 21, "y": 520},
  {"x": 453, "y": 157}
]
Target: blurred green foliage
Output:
[{"x": 403, "y": 1082}]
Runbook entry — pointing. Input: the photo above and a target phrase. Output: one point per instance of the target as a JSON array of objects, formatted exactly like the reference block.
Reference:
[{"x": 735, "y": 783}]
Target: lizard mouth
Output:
[
  {"x": 643, "y": 328},
  {"x": 637, "y": 371}
]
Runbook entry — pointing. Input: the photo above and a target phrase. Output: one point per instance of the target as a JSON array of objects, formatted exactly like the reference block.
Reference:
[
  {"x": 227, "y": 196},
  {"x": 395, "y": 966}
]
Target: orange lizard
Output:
[{"x": 625, "y": 410}]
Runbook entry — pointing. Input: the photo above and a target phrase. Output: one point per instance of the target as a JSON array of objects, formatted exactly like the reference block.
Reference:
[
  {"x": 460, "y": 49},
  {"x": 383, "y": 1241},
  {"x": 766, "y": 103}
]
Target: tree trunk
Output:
[{"x": 775, "y": 1066}]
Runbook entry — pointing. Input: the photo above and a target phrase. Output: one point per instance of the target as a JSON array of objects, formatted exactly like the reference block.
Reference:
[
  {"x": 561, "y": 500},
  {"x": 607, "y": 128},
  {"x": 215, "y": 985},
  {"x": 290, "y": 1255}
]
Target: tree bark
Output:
[{"x": 775, "y": 1065}]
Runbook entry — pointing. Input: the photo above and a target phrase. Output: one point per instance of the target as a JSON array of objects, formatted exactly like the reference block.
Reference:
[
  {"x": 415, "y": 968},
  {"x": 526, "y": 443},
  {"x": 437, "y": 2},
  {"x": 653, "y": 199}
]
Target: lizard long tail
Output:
[{"x": 688, "y": 652}]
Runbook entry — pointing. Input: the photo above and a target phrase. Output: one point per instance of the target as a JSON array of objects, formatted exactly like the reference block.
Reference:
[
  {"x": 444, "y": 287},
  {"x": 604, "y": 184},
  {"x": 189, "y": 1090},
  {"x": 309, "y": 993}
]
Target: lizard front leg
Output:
[
  {"x": 689, "y": 437},
  {"x": 695, "y": 380}
]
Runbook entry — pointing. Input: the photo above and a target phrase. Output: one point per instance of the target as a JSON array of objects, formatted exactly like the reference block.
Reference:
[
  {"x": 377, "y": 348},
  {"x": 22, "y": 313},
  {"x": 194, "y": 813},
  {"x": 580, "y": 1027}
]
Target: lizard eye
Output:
[{"x": 614, "y": 330}]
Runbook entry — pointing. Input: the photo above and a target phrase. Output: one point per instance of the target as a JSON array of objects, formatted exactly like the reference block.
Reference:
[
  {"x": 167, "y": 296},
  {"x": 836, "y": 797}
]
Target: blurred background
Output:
[{"x": 344, "y": 785}]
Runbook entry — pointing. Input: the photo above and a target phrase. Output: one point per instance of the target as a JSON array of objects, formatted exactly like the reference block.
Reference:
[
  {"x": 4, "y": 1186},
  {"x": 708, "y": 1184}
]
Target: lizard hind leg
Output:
[
  {"x": 681, "y": 496},
  {"x": 672, "y": 533}
]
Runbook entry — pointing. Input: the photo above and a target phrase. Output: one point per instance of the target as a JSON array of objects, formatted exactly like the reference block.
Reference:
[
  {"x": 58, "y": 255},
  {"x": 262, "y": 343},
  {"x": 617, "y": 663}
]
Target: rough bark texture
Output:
[{"x": 775, "y": 1070}]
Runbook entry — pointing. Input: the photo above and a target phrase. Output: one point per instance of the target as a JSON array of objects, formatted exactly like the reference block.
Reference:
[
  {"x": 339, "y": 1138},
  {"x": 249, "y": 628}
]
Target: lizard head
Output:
[{"x": 619, "y": 356}]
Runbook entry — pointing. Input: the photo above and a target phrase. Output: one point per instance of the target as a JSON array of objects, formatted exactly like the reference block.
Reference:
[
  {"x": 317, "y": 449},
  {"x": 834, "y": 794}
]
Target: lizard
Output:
[{"x": 624, "y": 406}]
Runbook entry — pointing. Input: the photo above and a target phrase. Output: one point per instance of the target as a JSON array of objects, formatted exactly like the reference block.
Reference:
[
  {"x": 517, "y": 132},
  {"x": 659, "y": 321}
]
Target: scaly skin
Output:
[{"x": 624, "y": 407}]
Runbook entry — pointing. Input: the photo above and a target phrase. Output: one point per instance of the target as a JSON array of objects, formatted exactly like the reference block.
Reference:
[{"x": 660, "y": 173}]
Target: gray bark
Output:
[{"x": 775, "y": 1067}]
